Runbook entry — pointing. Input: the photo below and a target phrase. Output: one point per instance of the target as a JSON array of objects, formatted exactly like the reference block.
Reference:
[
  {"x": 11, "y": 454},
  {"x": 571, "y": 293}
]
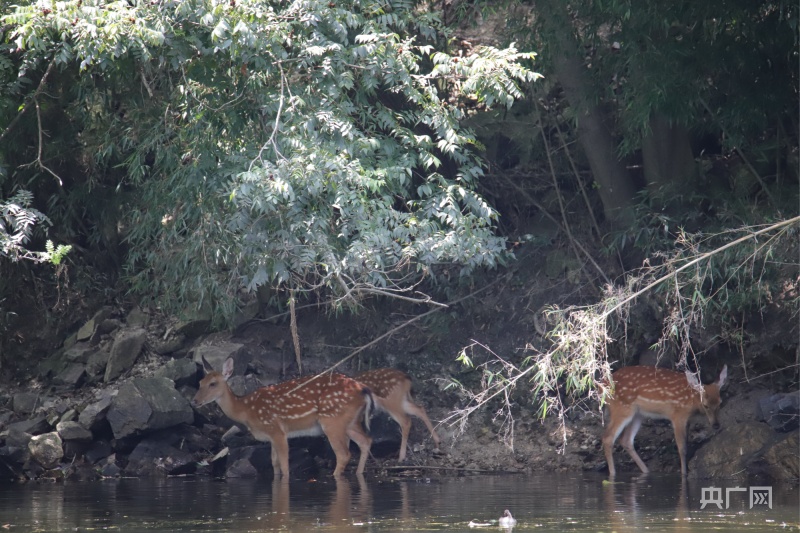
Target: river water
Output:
[{"x": 543, "y": 503}]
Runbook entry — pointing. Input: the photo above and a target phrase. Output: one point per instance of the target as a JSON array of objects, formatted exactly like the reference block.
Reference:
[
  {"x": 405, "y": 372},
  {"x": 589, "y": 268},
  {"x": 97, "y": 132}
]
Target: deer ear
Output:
[
  {"x": 227, "y": 368},
  {"x": 723, "y": 376},
  {"x": 206, "y": 365}
]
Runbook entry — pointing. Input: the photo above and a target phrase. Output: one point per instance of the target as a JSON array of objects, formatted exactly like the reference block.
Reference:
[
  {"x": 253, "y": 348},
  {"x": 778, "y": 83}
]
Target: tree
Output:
[
  {"x": 310, "y": 145},
  {"x": 654, "y": 86}
]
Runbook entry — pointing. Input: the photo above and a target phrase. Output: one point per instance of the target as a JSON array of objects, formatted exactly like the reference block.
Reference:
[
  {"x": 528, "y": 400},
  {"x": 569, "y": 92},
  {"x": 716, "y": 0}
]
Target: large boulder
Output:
[
  {"x": 158, "y": 457},
  {"x": 781, "y": 411},
  {"x": 46, "y": 449},
  {"x": 216, "y": 353},
  {"x": 72, "y": 377},
  {"x": 70, "y": 430},
  {"x": 147, "y": 404},
  {"x": 93, "y": 416},
  {"x": 127, "y": 347},
  {"x": 741, "y": 450}
]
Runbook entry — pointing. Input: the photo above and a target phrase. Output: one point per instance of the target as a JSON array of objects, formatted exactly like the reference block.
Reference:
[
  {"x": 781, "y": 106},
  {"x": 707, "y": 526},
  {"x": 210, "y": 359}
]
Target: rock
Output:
[
  {"x": 99, "y": 449},
  {"x": 25, "y": 403},
  {"x": 73, "y": 431},
  {"x": 246, "y": 313},
  {"x": 180, "y": 371},
  {"x": 16, "y": 446},
  {"x": 70, "y": 341},
  {"x": 87, "y": 330},
  {"x": 385, "y": 436},
  {"x": 781, "y": 411},
  {"x": 34, "y": 426},
  {"x": 46, "y": 449},
  {"x": 157, "y": 457},
  {"x": 79, "y": 353},
  {"x": 217, "y": 353},
  {"x": 73, "y": 376},
  {"x": 147, "y": 404},
  {"x": 96, "y": 364},
  {"x": 780, "y": 461},
  {"x": 124, "y": 352},
  {"x": 93, "y": 417},
  {"x": 110, "y": 467},
  {"x": 5, "y": 418},
  {"x": 249, "y": 461},
  {"x": 171, "y": 344},
  {"x": 106, "y": 326},
  {"x": 137, "y": 318},
  {"x": 728, "y": 453},
  {"x": 194, "y": 322}
]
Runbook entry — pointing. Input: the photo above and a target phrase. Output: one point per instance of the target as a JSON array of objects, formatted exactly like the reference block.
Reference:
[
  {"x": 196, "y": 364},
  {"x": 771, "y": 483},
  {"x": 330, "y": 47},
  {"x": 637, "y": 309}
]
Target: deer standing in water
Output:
[
  {"x": 332, "y": 404},
  {"x": 392, "y": 393},
  {"x": 647, "y": 392}
]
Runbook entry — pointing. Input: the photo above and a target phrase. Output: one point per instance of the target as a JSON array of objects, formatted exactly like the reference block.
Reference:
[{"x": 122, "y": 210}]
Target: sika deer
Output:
[
  {"x": 646, "y": 392},
  {"x": 392, "y": 392},
  {"x": 332, "y": 404}
]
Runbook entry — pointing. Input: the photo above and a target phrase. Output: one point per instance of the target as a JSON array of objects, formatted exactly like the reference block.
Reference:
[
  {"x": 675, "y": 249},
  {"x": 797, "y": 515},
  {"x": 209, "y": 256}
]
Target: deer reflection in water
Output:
[{"x": 628, "y": 515}]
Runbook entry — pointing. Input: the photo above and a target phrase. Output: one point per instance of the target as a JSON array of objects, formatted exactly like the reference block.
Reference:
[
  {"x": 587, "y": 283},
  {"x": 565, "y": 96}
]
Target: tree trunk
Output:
[
  {"x": 614, "y": 183},
  {"x": 667, "y": 154}
]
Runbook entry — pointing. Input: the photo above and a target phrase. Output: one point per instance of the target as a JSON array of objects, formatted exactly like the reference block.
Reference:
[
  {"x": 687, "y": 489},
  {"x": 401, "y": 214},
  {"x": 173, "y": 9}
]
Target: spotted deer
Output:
[
  {"x": 392, "y": 392},
  {"x": 332, "y": 404},
  {"x": 647, "y": 392}
]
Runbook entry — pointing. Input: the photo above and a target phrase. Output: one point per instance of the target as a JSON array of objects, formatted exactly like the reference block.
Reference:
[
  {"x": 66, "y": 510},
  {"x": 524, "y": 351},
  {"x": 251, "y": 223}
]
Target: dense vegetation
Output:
[{"x": 198, "y": 151}]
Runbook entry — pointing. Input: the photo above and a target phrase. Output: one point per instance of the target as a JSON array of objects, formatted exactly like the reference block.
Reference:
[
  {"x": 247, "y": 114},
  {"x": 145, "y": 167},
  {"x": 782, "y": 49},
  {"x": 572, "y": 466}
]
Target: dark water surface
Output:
[{"x": 556, "y": 502}]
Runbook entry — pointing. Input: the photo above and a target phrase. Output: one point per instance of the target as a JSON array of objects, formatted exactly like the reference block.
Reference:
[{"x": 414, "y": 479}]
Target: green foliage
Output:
[
  {"x": 17, "y": 223},
  {"x": 304, "y": 143}
]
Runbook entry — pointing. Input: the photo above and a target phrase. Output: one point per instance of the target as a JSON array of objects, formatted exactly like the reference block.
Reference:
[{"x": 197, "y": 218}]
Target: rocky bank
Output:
[{"x": 114, "y": 400}]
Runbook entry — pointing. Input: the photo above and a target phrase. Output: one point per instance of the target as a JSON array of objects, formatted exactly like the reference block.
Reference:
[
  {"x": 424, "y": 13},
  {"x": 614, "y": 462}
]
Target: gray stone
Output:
[
  {"x": 34, "y": 426},
  {"x": 73, "y": 376},
  {"x": 156, "y": 457},
  {"x": 47, "y": 449},
  {"x": 137, "y": 318},
  {"x": 87, "y": 330},
  {"x": 16, "y": 446},
  {"x": 107, "y": 326},
  {"x": 194, "y": 322},
  {"x": 249, "y": 461},
  {"x": 73, "y": 431},
  {"x": 97, "y": 450},
  {"x": 169, "y": 345},
  {"x": 180, "y": 371},
  {"x": 79, "y": 353},
  {"x": 25, "y": 403},
  {"x": 94, "y": 415},
  {"x": 109, "y": 467},
  {"x": 727, "y": 454},
  {"x": 97, "y": 362},
  {"x": 147, "y": 404},
  {"x": 217, "y": 353},
  {"x": 781, "y": 411},
  {"x": 124, "y": 352}
]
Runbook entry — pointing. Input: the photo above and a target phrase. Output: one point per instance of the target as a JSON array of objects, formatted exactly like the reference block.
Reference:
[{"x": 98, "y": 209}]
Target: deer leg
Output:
[
  {"x": 619, "y": 417},
  {"x": 414, "y": 409},
  {"x": 280, "y": 456},
  {"x": 337, "y": 436},
  {"x": 405, "y": 426},
  {"x": 679, "y": 426},
  {"x": 364, "y": 442},
  {"x": 627, "y": 441}
]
